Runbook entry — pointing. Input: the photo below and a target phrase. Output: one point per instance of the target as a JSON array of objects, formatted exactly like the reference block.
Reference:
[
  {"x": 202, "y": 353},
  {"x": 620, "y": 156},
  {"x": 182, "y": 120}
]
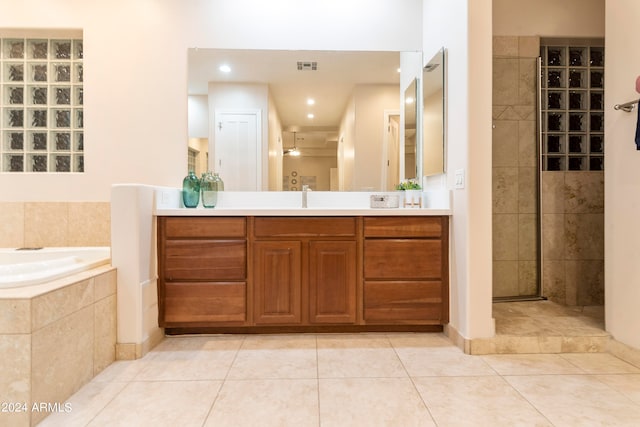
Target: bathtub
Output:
[{"x": 33, "y": 266}]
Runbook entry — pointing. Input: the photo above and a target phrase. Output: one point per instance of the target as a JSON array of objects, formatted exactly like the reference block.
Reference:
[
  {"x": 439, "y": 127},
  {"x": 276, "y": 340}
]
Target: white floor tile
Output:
[
  {"x": 577, "y": 400},
  {"x": 477, "y": 401},
  {"x": 160, "y": 403},
  {"x": 265, "y": 403},
  {"x": 369, "y": 402}
]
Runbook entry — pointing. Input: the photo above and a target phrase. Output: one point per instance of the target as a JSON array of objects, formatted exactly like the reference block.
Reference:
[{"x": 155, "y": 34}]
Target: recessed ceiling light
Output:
[
  {"x": 311, "y": 101},
  {"x": 398, "y": 70},
  {"x": 225, "y": 68},
  {"x": 310, "y": 116}
]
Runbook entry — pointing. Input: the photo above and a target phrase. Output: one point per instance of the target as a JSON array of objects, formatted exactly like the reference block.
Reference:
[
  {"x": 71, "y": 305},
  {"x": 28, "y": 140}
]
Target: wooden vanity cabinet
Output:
[
  {"x": 305, "y": 270},
  {"x": 202, "y": 271},
  {"x": 287, "y": 273},
  {"x": 406, "y": 270}
]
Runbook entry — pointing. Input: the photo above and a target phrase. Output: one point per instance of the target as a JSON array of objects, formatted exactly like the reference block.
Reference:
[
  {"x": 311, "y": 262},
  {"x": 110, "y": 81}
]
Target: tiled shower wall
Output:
[
  {"x": 572, "y": 202},
  {"x": 515, "y": 206},
  {"x": 35, "y": 224},
  {"x": 573, "y": 237}
]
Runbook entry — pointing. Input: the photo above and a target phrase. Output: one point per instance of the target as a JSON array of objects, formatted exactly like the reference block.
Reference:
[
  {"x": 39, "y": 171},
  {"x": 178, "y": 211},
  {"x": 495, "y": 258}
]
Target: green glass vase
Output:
[
  {"x": 190, "y": 190},
  {"x": 208, "y": 190}
]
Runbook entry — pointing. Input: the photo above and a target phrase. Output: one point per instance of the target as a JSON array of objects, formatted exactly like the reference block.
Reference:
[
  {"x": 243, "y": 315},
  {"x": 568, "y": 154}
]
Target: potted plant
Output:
[{"x": 411, "y": 193}]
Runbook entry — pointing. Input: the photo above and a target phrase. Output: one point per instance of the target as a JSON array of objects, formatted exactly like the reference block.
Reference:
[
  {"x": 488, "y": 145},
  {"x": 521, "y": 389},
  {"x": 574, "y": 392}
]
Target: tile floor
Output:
[
  {"x": 544, "y": 327},
  {"x": 382, "y": 379}
]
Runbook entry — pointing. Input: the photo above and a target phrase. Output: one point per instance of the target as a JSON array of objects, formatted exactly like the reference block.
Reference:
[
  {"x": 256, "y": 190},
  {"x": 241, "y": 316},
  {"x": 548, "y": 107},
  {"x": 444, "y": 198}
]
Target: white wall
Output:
[
  {"x": 371, "y": 101},
  {"x": 346, "y": 147},
  {"x": 136, "y": 72},
  {"x": 558, "y": 18},
  {"x": 463, "y": 27},
  {"x": 622, "y": 175},
  {"x": 198, "y": 112},
  {"x": 275, "y": 148}
]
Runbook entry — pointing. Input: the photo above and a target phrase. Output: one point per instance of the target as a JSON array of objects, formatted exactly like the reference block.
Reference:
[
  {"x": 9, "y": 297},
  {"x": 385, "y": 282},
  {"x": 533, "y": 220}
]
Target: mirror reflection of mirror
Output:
[
  {"x": 433, "y": 137},
  {"x": 340, "y": 145},
  {"x": 410, "y": 130}
]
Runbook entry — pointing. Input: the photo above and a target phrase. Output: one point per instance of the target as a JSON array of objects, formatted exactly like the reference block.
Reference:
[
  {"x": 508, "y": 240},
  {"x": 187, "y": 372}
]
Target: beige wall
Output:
[
  {"x": 37, "y": 224},
  {"x": 136, "y": 72},
  {"x": 546, "y": 18},
  {"x": 622, "y": 175},
  {"x": 310, "y": 166},
  {"x": 463, "y": 27}
]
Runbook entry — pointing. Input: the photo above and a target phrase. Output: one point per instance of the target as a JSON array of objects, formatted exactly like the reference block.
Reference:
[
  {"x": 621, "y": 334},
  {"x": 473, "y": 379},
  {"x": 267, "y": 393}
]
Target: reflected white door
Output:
[
  {"x": 237, "y": 150},
  {"x": 393, "y": 151}
]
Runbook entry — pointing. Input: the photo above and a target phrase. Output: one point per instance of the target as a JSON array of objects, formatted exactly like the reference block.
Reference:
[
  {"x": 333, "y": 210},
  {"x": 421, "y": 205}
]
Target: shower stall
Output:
[{"x": 548, "y": 161}]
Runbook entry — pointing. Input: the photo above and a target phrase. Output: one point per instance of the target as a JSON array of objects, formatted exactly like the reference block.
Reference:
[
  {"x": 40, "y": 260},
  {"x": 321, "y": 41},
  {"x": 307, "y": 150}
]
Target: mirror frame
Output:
[{"x": 436, "y": 144}]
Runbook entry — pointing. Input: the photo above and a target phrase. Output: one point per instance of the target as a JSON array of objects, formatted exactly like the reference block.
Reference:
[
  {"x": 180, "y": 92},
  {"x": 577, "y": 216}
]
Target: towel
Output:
[
  {"x": 638, "y": 129},
  {"x": 638, "y": 122}
]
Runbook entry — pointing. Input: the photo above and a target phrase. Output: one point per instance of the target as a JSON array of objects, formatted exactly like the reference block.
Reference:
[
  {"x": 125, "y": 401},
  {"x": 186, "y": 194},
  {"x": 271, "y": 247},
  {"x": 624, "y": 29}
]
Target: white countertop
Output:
[
  {"x": 168, "y": 202},
  {"x": 200, "y": 211}
]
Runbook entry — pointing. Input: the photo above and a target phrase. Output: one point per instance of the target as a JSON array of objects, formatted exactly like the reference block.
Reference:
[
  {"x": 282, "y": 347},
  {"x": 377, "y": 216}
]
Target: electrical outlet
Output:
[{"x": 459, "y": 178}]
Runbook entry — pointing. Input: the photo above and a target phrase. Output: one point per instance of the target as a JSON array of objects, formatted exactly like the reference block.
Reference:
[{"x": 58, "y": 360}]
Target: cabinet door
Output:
[
  {"x": 332, "y": 282},
  {"x": 277, "y": 282}
]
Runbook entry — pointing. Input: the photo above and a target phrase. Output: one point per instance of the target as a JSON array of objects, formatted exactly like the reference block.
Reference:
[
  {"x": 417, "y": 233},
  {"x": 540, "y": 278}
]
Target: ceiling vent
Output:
[{"x": 307, "y": 65}]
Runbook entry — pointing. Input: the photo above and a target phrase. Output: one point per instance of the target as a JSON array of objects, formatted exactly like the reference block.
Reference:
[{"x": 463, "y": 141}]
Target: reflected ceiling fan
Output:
[{"x": 292, "y": 151}]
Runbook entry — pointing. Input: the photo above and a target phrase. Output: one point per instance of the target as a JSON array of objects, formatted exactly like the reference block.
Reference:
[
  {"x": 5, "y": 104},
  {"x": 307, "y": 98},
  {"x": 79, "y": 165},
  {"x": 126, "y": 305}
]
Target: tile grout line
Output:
[
  {"x": 412, "y": 381},
  {"x": 318, "y": 381},
  {"x": 222, "y": 383}
]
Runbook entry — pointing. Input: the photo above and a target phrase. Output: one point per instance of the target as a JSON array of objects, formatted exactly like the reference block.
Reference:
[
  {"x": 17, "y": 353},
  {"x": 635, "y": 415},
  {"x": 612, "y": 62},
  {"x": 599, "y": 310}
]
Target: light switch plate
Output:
[{"x": 459, "y": 178}]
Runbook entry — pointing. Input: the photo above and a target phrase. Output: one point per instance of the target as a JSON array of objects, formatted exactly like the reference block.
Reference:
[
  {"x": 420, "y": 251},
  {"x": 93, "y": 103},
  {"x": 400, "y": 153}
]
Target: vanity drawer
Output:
[
  {"x": 205, "y": 260},
  {"x": 399, "y": 226},
  {"x": 402, "y": 259},
  {"x": 403, "y": 301},
  {"x": 304, "y": 226},
  {"x": 194, "y": 227},
  {"x": 205, "y": 302}
]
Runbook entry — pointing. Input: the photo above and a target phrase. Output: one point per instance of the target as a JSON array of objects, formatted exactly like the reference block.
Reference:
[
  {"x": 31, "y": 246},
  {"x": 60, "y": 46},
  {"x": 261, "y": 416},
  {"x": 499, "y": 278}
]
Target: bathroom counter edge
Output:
[{"x": 302, "y": 212}]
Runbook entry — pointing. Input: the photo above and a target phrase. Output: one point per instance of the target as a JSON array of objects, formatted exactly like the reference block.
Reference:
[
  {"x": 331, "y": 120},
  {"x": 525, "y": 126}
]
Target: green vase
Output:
[
  {"x": 190, "y": 190},
  {"x": 209, "y": 190},
  {"x": 219, "y": 182}
]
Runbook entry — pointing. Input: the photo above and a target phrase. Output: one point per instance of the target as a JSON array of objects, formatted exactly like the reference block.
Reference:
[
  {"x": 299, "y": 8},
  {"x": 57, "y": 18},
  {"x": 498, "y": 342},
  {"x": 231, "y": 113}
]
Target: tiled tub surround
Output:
[
  {"x": 36, "y": 224},
  {"x": 54, "y": 338},
  {"x": 515, "y": 163}
]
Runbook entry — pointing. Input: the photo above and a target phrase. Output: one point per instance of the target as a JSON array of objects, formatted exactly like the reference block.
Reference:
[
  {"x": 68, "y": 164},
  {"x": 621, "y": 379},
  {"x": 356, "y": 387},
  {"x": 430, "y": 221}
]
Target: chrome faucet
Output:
[{"x": 305, "y": 189}]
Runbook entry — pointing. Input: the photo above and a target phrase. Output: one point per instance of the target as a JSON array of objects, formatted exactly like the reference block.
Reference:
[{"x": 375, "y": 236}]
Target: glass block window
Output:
[
  {"x": 192, "y": 158},
  {"x": 572, "y": 105},
  {"x": 41, "y": 105}
]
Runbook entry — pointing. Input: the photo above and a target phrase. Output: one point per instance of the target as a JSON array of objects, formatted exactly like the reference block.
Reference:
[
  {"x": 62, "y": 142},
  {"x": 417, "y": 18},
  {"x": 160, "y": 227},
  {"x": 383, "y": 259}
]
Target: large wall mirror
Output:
[
  {"x": 433, "y": 123},
  {"x": 321, "y": 116}
]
